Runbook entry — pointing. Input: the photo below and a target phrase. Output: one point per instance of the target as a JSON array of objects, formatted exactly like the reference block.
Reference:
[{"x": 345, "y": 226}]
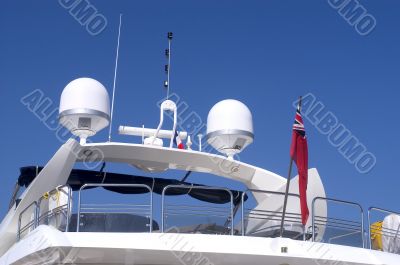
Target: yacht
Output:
[{"x": 69, "y": 212}]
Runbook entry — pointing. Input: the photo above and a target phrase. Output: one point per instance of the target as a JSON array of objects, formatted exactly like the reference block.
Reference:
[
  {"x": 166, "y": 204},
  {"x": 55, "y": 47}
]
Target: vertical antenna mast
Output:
[
  {"x": 115, "y": 77},
  {"x": 168, "y": 66}
]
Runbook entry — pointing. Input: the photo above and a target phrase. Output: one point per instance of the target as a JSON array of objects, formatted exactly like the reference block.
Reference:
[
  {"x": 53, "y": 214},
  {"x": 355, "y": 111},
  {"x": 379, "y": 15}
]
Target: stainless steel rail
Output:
[
  {"x": 271, "y": 212},
  {"x": 59, "y": 208},
  {"x": 355, "y": 227},
  {"x": 115, "y": 185},
  {"x": 370, "y": 209},
  {"x": 31, "y": 223},
  {"x": 191, "y": 187},
  {"x": 337, "y": 201}
]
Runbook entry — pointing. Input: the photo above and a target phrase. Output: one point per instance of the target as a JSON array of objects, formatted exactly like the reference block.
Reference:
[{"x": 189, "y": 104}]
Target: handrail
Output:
[
  {"x": 372, "y": 208},
  {"x": 114, "y": 185},
  {"x": 340, "y": 202},
  {"x": 316, "y": 220},
  {"x": 190, "y": 187},
  {"x": 34, "y": 221},
  {"x": 341, "y": 236},
  {"x": 58, "y": 189},
  {"x": 261, "y": 191}
]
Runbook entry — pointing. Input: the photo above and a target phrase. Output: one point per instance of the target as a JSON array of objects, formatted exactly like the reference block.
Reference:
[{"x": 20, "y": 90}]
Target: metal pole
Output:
[
  {"x": 313, "y": 219},
  {"x": 68, "y": 207},
  {"x": 362, "y": 228},
  {"x": 286, "y": 195},
  {"x": 162, "y": 208},
  {"x": 151, "y": 211},
  {"x": 369, "y": 229},
  {"x": 169, "y": 61},
  {"x": 78, "y": 217},
  {"x": 287, "y": 185},
  {"x": 115, "y": 77},
  {"x": 242, "y": 202}
]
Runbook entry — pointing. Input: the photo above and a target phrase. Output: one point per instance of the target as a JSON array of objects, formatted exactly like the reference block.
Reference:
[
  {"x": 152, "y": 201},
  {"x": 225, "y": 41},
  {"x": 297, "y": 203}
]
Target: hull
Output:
[{"x": 46, "y": 245}]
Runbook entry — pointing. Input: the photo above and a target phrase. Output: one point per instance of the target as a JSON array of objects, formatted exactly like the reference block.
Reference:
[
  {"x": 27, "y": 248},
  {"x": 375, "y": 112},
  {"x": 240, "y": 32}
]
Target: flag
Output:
[
  {"x": 177, "y": 140},
  {"x": 299, "y": 154}
]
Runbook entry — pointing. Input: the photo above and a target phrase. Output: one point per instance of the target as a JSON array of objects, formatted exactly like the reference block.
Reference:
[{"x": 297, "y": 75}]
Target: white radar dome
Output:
[
  {"x": 84, "y": 107},
  {"x": 229, "y": 127}
]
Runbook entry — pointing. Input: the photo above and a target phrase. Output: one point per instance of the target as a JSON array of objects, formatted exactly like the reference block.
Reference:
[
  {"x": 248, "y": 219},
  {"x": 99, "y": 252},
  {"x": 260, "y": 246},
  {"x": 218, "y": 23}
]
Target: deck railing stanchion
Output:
[{"x": 242, "y": 202}]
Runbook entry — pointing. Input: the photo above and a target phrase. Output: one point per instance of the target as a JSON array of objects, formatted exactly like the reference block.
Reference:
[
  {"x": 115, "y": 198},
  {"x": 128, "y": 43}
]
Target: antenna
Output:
[
  {"x": 115, "y": 77},
  {"x": 168, "y": 65}
]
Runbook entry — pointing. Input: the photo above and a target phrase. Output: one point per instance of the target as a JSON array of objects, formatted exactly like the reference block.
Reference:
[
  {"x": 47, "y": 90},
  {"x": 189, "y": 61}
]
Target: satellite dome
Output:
[
  {"x": 84, "y": 107},
  {"x": 230, "y": 127}
]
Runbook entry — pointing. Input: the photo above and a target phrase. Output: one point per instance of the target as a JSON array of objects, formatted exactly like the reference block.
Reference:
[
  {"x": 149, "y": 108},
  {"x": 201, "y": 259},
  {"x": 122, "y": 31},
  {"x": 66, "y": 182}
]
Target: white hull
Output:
[{"x": 46, "y": 245}]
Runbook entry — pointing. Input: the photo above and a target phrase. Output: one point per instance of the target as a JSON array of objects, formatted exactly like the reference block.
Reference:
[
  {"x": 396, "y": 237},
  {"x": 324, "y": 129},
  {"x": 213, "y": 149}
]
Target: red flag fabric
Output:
[
  {"x": 178, "y": 142},
  {"x": 299, "y": 154}
]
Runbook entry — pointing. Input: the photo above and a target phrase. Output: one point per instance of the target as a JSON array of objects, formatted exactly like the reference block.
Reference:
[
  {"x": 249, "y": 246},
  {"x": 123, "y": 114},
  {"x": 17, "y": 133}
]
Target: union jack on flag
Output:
[{"x": 298, "y": 125}]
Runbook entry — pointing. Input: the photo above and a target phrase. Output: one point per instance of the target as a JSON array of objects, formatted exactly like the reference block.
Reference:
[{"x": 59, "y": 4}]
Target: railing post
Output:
[
  {"x": 78, "y": 217},
  {"x": 369, "y": 228},
  {"x": 68, "y": 207},
  {"x": 362, "y": 227},
  {"x": 232, "y": 231},
  {"x": 162, "y": 208},
  {"x": 242, "y": 202},
  {"x": 313, "y": 219},
  {"x": 151, "y": 210}
]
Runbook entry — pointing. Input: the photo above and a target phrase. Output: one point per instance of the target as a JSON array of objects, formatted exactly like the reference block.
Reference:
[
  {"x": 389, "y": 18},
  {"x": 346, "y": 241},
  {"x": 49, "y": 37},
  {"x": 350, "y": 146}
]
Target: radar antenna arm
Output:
[{"x": 167, "y": 105}]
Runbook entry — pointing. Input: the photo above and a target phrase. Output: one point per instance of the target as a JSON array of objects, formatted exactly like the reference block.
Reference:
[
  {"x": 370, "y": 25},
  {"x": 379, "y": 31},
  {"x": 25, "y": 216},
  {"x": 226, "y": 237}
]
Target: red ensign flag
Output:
[{"x": 299, "y": 153}]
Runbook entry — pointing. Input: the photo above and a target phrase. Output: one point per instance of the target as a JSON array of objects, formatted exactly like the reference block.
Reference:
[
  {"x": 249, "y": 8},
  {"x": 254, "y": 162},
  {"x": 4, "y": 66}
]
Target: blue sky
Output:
[{"x": 264, "y": 53}]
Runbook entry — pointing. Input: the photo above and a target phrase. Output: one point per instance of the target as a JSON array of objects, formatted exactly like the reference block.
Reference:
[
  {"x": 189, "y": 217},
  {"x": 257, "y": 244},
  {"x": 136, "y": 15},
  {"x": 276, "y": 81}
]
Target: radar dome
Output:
[
  {"x": 84, "y": 107},
  {"x": 229, "y": 127}
]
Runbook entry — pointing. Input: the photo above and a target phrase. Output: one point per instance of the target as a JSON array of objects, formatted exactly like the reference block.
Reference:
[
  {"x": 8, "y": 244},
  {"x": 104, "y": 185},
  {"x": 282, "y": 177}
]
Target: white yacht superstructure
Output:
[{"x": 52, "y": 223}]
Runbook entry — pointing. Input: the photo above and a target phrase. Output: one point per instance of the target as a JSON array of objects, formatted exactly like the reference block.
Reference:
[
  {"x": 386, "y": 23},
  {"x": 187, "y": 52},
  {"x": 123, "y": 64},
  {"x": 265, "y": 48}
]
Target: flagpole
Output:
[{"x": 287, "y": 187}]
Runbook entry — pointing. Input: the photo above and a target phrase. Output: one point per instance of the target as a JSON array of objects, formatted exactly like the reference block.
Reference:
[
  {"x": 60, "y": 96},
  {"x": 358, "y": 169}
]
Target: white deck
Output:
[{"x": 47, "y": 245}]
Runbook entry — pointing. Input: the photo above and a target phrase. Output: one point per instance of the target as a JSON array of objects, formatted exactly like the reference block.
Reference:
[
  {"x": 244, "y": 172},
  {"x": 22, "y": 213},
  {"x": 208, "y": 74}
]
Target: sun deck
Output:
[{"x": 137, "y": 204}]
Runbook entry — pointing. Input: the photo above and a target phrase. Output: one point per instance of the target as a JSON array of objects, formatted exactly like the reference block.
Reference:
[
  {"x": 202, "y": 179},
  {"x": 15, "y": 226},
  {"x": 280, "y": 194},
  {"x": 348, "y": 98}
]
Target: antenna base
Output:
[{"x": 154, "y": 141}]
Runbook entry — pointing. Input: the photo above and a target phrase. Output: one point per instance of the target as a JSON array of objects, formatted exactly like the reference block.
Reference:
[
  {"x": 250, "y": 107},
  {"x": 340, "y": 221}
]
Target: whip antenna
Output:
[
  {"x": 168, "y": 65},
  {"x": 115, "y": 77}
]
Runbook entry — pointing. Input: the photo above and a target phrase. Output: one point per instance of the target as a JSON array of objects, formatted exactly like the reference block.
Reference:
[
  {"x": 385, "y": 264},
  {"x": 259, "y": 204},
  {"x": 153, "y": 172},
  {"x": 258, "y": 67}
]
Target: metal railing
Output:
[
  {"x": 32, "y": 223},
  {"x": 352, "y": 226},
  {"x": 385, "y": 231},
  {"x": 191, "y": 210},
  {"x": 116, "y": 208},
  {"x": 63, "y": 210},
  {"x": 268, "y": 215},
  {"x": 37, "y": 218}
]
